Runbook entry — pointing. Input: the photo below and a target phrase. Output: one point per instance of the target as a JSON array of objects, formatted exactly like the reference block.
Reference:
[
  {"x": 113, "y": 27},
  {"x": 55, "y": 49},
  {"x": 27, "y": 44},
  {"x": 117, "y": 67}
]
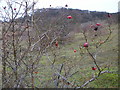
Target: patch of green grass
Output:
[{"x": 107, "y": 80}]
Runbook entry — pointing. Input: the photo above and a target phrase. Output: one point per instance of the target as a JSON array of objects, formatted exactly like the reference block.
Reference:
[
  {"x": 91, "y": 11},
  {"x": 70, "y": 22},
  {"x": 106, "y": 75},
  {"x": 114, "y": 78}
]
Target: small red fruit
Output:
[
  {"x": 75, "y": 50},
  {"x": 14, "y": 8},
  {"x": 85, "y": 44},
  {"x": 93, "y": 68},
  {"x": 56, "y": 44},
  {"x": 98, "y": 24},
  {"x": 36, "y": 72},
  {"x": 26, "y": 26},
  {"x": 4, "y": 7},
  {"x": 66, "y": 5},
  {"x": 69, "y": 17},
  {"x": 109, "y": 15}
]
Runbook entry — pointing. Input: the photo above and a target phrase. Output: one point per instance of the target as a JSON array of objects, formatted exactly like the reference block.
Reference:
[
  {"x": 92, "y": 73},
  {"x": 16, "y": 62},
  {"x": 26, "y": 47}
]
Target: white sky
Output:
[{"x": 92, "y": 5}]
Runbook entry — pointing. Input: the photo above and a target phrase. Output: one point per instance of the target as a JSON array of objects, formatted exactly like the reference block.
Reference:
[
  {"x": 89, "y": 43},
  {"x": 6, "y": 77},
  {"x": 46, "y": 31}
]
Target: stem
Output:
[
  {"x": 59, "y": 76},
  {"x": 93, "y": 60},
  {"x": 32, "y": 76},
  {"x": 91, "y": 54},
  {"x": 85, "y": 36},
  {"x": 13, "y": 43},
  {"x": 29, "y": 41},
  {"x": 110, "y": 32}
]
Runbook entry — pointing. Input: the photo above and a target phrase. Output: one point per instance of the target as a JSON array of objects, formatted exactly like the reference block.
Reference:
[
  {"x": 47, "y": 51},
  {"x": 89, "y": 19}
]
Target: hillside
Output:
[
  {"x": 60, "y": 48},
  {"x": 52, "y": 18},
  {"x": 80, "y": 16}
]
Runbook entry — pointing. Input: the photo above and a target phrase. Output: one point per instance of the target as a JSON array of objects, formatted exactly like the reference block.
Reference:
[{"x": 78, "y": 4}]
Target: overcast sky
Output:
[{"x": 92, "y": 5}]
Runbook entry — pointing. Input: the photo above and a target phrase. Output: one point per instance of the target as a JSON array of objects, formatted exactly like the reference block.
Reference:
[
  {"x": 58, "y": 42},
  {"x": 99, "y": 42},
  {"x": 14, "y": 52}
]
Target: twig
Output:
[
  {"x": 93, "y": 59},
  {"x": 65, "y": 79},
  {"x": 57, "y": 84}
]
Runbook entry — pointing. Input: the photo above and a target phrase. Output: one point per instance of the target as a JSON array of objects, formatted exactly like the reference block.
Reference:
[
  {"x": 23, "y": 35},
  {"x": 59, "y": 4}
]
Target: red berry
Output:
[
  {"x": 93, "y": 68},
  {"x": 26, "y": 26},
  {"x": 14, "y": 8},
  {"x": 4, "y": 7},
  {"x": 85, "y": 44},
  {"x": 98, "y": 24},
  {"x": 36, "y": 72},
  {"x": 109, "y": 15},
  {"x": 75, "y": 50},
  {"x": 56, "y": 44},
  {"x": 66, "y": 5},
  {"x": 69, "y": 17}
]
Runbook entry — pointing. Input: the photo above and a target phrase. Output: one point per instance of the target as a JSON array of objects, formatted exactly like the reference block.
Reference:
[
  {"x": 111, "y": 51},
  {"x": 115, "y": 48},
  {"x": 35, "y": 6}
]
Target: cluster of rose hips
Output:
[{"x": 86, "y": 43}]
